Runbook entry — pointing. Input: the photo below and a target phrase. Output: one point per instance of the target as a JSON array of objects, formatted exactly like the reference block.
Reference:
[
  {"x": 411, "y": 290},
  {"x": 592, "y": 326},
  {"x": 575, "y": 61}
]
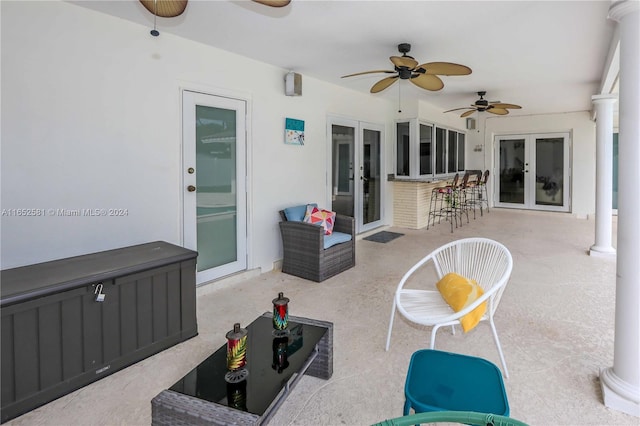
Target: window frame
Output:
[{"x": 416, "y": 152}]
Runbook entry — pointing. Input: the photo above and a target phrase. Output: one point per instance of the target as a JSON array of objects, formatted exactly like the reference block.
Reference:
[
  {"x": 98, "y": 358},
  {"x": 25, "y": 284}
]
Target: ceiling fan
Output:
[
  {"x": 405, "y": 67},
  {"x": 274, "y": 3},
  {"x": 497, "y": 107},
  {"x": 165, "y": 8},
  {"x": 173, "y": 8}
]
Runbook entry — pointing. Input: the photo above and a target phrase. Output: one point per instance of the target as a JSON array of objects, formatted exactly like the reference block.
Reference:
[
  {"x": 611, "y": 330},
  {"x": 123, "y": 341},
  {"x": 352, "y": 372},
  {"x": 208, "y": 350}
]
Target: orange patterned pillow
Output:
[{"x": 320, "y": 217}]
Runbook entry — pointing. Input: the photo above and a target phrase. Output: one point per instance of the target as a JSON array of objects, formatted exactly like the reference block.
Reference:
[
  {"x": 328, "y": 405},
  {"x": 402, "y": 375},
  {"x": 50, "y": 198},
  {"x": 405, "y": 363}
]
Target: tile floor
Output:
[{"x": 555, "y": 321}]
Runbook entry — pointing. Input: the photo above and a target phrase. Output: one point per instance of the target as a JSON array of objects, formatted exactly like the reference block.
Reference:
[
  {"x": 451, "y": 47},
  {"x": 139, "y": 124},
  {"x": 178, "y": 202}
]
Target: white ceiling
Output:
[{"x": 548, "y": 56}]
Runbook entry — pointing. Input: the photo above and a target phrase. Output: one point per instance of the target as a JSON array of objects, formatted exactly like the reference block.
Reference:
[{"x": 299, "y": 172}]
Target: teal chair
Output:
[{"x": 445, "y": 381}]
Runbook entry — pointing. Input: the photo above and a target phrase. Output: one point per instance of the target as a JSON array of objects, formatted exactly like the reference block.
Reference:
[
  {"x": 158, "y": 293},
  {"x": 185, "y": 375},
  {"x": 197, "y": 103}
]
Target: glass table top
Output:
[{"x": 271, "y": 362}]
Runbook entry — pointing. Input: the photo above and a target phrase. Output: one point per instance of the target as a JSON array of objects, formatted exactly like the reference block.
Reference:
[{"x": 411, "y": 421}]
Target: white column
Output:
[
  {"x": 621, "y": 383},
  {"x": 604, "y": 175}
]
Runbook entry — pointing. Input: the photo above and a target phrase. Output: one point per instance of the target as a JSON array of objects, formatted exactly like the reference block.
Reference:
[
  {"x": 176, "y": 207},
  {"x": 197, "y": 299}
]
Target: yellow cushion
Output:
[{"x": 459, "y": 292}]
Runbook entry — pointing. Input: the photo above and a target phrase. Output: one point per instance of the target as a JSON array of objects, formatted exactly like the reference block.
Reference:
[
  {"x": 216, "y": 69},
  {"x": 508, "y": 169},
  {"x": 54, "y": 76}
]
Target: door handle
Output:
[{"x": 191, "y": 188}]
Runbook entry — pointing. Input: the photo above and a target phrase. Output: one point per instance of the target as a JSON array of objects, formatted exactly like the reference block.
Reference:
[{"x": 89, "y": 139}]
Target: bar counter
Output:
[{"x": 411, "y": 198}]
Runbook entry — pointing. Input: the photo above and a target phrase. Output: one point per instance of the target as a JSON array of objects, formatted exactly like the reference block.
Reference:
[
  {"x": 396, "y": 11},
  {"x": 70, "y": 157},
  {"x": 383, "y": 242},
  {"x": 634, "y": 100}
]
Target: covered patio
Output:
[{"x": 555, "y": 321}]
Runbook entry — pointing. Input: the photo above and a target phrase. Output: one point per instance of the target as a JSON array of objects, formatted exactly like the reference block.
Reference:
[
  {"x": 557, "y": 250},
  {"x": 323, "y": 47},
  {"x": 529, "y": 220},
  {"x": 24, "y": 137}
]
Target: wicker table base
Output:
[{"x": 174, "y": 408}]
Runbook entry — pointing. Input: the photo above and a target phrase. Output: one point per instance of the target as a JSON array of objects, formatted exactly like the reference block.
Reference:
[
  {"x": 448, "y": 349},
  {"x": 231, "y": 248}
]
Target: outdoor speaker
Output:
[
  {"x": 293, "y": 84},
  {"x": 471, "y": 123}
]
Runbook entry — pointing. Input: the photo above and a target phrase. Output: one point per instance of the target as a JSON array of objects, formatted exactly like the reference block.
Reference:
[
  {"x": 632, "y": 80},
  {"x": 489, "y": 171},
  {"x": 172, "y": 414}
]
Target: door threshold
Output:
[{"x": 209, "y": 287}]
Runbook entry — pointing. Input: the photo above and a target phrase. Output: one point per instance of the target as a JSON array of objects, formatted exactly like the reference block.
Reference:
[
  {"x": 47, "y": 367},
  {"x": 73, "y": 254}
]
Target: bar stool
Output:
[
  {"x": 463, "y": 199},
  {"x": 472, "y": 198},
  {"x": 441, "y": 204},
  {"x": 445, "y": 381},
  {"x": 483, "y": 197}
]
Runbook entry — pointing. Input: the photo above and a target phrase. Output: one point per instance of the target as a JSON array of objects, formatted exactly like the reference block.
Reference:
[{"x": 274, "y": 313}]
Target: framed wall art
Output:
[{"x": 293, "y": 131}]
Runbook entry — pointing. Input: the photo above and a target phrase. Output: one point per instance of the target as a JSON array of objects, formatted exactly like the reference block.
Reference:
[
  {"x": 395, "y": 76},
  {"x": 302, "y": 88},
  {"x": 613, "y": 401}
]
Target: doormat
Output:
[{"x": 383, "y": 236}]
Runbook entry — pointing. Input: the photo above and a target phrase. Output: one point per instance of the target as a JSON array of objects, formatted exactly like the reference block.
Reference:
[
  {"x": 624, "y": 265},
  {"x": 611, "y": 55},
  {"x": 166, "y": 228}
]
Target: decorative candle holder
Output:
[
  {"x": 236, "y": 354},
  {"x": 280, "y": 315}
]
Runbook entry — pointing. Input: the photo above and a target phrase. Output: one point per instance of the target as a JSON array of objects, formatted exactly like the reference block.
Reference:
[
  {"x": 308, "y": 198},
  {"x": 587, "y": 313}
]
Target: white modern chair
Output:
[{"x": 487, "y": 262}]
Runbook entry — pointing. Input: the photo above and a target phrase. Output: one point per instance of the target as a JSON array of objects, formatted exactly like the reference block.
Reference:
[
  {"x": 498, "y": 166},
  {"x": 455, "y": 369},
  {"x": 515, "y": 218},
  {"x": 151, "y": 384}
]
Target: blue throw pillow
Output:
[{"x": 296, "y": 213}]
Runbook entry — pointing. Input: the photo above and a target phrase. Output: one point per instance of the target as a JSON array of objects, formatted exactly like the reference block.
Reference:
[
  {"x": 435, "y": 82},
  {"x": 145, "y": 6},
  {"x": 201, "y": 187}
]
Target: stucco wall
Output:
[{"x": 91, "y": 118}]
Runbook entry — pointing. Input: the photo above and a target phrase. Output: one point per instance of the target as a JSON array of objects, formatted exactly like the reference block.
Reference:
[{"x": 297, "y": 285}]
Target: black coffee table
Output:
[{"x": 274, "y": 365}]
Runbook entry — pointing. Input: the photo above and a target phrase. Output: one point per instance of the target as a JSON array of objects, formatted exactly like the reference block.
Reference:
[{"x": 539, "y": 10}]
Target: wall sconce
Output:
[
  {"x": 471, "y": 123},
  {"x": 293, "y": 84}
]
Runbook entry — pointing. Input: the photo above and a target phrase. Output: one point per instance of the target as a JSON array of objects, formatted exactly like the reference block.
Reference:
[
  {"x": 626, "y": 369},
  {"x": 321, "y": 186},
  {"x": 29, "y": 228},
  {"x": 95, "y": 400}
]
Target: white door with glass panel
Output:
[
  {"x": 214, "y": 200},
  {"x": 357, "y": 171},
  {"x": 533, "y": 171}
]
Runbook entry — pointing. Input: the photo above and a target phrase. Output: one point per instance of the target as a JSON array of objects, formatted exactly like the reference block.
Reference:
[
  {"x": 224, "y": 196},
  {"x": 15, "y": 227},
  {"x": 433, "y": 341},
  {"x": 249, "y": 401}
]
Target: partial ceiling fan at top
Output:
[
  {"x": 405, "y": 67},
  {"x": 481, "y": 105},
  {"x": 173, "y": 8},
  {"x": 165, "y": 8},
  {"x": 273, "y": 3}
]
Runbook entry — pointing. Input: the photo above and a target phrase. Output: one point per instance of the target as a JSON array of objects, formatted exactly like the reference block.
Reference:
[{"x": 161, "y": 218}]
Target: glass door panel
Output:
[
  {"x": 549, "y": 171},
  {"x": 512, "y": 172},
  {"x": 216, "y": 186},
  {"x": 214, "y": 211},
  {"x": 370, "y": 178},
  {"x": 343, "y": 138}
]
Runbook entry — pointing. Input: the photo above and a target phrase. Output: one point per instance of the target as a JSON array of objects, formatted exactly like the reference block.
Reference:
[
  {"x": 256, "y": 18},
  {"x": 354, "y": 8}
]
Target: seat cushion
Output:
[
  {"x": 336, "y": 238},
  {"x": 296, "y": 213},
  {"x": 459, "y": 292}
]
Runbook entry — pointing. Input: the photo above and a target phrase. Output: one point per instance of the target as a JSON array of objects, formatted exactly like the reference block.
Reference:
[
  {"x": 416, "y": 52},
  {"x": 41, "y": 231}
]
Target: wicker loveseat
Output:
[{"x": 304, "y": 249}]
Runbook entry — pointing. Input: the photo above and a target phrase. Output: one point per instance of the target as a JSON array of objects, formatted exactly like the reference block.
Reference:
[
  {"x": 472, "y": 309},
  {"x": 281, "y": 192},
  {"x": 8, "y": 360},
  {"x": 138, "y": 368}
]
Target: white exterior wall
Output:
[
  {"x": 583, "y": 148},
  {"x": 91, "y": 118}
]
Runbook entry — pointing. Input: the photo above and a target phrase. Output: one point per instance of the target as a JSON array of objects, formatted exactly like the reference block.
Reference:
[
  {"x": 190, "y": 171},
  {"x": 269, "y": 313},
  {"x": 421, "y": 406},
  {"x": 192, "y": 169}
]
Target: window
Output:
[
  {"x": 437, "y": 150},
  {"x": 426, "y": 160},
  {"x": 452, "y": 152},
  {"x": 441, "y": 151},
  {"x": 461, "y": 137},
  {"x": 402, "y": 152}
]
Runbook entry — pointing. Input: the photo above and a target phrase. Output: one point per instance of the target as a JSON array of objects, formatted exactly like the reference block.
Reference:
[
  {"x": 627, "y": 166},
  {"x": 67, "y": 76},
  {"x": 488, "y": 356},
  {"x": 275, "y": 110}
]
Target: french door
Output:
[
  {"x": 533, "y": 171},
  {"x": 356, "y": 165},
  {"x": 214, "y": 200}
]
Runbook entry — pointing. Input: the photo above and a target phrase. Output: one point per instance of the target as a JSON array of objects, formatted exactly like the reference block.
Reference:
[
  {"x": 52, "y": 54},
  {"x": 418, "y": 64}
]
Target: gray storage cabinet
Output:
[{"x": 56, "y": 337}]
